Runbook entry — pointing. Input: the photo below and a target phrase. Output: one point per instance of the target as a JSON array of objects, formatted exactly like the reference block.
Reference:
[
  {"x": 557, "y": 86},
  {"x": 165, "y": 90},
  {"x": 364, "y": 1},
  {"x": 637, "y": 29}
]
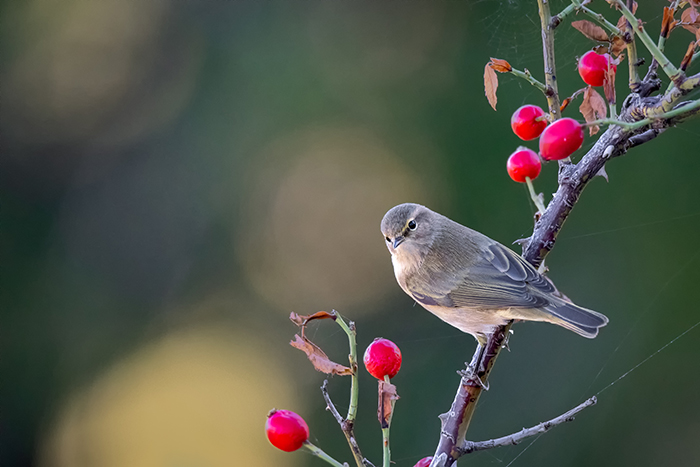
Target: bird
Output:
[{"x": 473, "y": 282}]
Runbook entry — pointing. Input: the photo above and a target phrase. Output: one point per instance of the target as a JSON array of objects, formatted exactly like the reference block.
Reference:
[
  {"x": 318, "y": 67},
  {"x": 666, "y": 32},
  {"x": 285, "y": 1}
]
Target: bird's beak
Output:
[{"x": 398, "y": 241}]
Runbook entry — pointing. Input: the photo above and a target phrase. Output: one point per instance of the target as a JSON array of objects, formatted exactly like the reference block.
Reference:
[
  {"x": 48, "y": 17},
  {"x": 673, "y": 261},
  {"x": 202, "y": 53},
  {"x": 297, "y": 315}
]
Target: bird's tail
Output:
[{"x": 575, "y": 318}]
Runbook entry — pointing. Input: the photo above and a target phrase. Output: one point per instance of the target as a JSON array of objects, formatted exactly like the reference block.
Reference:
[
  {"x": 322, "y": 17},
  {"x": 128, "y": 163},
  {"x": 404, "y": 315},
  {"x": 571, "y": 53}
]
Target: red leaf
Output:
[
  {"x": 590, "y": 30},
  {"x": 668, "y": 23},
  {"x": 500, "y": 66},
  {"x": 490, "y": 85},
  {"x": 688, "y": 56}
]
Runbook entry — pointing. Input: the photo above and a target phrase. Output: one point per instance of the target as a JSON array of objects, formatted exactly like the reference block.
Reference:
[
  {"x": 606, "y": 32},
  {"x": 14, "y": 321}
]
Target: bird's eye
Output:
[
  {"x": 412, "y": 225},
  {"x": 387, "y": 239}
]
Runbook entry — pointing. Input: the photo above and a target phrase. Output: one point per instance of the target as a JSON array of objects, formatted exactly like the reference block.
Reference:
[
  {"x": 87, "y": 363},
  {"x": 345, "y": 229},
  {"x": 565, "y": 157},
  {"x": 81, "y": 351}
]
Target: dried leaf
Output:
[
  {"x": 688, "y": 56},
  {"x": 622, "y": 24},
  {"x": 601, "y": 49},
  {"x": 387, "y": 394},
  {"x": 690, "y": 20},
  {"x": 318, "y": 358},
  {"x": 590, "y": 30},
  {"x": 500, "y": 66},
  {"x": 617, "y": 45},
  {"x": 564, "y": 104},
  {"x": 593, "y": 108},
  {"x": 668, "y": 23},
  {"x": 634, "y": 7},
  {"x": 302, "y": 320},
  {"x": 609, "y": 81},
  {"x": 490, "y": 85}
]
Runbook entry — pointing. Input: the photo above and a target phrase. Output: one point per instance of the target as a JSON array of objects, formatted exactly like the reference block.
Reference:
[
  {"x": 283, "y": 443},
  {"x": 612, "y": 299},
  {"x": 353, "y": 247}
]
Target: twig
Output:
[
  {"x": 671, "y": 71},
  {"x": 598, "y": 17},
  {"x": 550, "y": 69},
  {"x": 347, "y": 425},
  {"x": 330, "y": 406},
  {"x": 515, "y": 438},
  {"x": 525, "y": 74},
  {"x": 633, "y": 81}
]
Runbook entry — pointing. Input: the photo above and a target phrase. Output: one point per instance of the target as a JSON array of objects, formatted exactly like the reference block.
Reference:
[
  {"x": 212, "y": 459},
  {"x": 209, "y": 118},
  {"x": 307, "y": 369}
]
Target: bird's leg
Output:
[{"x": 476, "y": 366}]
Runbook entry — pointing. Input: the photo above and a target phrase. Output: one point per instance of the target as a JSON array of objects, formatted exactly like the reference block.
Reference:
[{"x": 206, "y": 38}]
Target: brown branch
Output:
[
  {"x": 347, "y": 426},
  {"x": 550, "y": 69},
  {"x": 456, "y": 422},
  {"x": 471, "y": 446},
  {"x": 573, "y": 178}
]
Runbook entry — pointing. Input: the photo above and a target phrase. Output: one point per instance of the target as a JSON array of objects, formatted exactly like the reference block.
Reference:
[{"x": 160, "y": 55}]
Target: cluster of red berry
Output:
[{"x": 562, "y": 137}]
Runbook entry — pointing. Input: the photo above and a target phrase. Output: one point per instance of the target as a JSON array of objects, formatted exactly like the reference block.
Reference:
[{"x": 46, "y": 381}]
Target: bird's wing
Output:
[{"x": 499, "y": 278}]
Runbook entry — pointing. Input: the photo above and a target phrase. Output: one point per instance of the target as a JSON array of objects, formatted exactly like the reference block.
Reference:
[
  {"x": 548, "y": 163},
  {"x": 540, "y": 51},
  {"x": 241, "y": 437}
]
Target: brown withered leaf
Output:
[
  {"x": 668, "y": 23},
  {"x": 601, "y": 49},
  {"x": 690, "y": 19},
  {"x": 490, "y": 85},
  {"x": 617, "y": 45},
  {"x": 593, "y": 108},
  {"x": 302, "y": 320},
  {"x": 634, "y": 7},
  {"x": 609, "y": 82},
  {"x": 590, "y": 30},
  {"x": 622, "y": 24},
  {"x": 688, "y": 56},
  {"x": 499, "y": 65},
  {"x": 318, "y": 357},
  {"x": 387, "y": 395}
]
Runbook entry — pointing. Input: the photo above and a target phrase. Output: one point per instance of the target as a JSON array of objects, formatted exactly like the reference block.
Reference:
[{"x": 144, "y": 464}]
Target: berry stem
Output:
[
  {"x": 550, "y": 70},
  {"x": 671, "y": 71},
  {"x": 386, "y": 450},
  {"x": 318, "y": 452},
  {"x": 537, "y": 199}
]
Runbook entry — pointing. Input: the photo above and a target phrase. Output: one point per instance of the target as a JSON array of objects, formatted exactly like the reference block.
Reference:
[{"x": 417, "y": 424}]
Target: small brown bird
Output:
[{"x": 470, "y": 281}]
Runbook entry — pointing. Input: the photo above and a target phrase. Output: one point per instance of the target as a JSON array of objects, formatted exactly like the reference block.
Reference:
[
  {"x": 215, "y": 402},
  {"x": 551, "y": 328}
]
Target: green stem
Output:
[
  {"x": 613, "y": 110},
  {"x": 671, "y": 71},
  {"x": 642, "y": 123},
  {"x": 386, "y": 451},
  {"x": 550, "y": 69},
  {"x": 535, "y": 197},
  {"x": 354, "y": 386},
  {"x": 557, "y": 19},
  {"x": 318, "y": 452},
  {"x": 525, "y": 74},
  {"x": 598, "y": 17}
]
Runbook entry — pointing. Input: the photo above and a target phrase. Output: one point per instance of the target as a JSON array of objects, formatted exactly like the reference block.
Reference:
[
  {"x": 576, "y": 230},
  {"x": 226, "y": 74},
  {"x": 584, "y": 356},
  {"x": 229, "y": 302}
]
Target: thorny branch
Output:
[
  {"x": 654, "y": 115},
  {"x": 471, "y": 446}
]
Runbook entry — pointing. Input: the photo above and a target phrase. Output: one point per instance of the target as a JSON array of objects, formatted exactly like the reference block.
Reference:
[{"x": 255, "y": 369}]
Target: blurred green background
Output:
[{"x": 177, "y": 177}]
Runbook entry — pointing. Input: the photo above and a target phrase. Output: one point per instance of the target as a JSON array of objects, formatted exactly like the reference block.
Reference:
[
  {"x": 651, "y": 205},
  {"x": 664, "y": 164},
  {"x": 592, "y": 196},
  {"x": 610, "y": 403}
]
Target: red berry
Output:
[
  {"x": 560, "y": 139},
  {"x": 523, "y": 163},
  {"x": 286, "y": 430},
  {"x": 424, "y": 462},
  {"x": 525, "y": 124},
  {"x": 593, "y": 66},
  {"x": 382, "y": 357}
]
